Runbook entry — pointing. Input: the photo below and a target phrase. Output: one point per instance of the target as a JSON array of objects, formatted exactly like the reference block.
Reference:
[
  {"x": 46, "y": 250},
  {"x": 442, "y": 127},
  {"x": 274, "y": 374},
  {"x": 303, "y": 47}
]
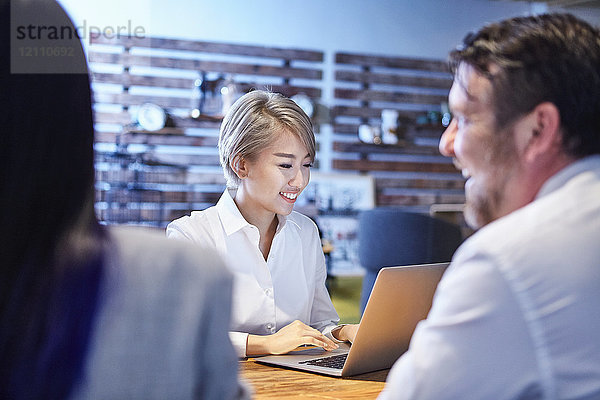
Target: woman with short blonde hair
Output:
[
  {"x": 249, "y": 125},
  {"x": 267, "y": 147}
]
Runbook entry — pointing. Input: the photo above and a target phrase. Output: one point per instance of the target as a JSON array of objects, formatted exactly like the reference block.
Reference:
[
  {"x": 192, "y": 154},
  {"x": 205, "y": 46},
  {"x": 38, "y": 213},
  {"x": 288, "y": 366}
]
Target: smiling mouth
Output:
[
  {"x": 290, "y": 197},
  {"x": 464, "y": 171}
]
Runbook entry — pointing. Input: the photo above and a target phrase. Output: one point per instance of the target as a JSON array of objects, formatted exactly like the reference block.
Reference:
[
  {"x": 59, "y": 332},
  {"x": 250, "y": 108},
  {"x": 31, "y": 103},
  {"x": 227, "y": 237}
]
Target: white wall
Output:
[
  {"x": 412, "y": 28},
  {"x": 423, "y": 28}
]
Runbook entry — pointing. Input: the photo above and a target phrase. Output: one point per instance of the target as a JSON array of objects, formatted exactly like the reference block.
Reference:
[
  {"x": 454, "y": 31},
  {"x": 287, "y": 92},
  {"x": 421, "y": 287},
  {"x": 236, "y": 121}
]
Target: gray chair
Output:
[{"x": 392, "y": 236}]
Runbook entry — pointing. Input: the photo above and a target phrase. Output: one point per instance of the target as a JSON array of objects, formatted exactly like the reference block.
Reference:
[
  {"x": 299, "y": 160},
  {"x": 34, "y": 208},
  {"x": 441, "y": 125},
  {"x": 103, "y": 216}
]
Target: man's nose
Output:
[{"x": 446, "y": 145}]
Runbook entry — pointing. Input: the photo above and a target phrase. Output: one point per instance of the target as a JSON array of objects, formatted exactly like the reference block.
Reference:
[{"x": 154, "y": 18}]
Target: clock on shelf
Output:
[{"x": 151, "y": 117}]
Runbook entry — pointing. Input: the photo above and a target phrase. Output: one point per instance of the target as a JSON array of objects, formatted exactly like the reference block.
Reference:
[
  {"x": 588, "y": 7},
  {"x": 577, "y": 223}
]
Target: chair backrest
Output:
[{"x": 391, "y": 236}]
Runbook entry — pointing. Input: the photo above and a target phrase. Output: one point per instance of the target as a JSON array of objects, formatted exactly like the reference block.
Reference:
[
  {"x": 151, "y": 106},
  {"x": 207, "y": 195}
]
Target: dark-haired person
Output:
[
  {"x": 86, "y": 311},
  {"x": 517, "y": 314}
]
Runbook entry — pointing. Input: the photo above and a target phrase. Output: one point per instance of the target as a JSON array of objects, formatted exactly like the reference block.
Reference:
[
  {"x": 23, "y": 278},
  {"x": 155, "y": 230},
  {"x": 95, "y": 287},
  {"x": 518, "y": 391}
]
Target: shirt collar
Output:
[
  {"x": 231, "y": 217},
  {"x": 282, "y": 222},
  {"x": 566, "y": 174}
]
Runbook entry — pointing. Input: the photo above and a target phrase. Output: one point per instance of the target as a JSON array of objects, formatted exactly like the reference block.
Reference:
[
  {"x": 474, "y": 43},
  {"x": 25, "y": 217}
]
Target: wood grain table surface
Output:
[{"x": 269, "y": 382}]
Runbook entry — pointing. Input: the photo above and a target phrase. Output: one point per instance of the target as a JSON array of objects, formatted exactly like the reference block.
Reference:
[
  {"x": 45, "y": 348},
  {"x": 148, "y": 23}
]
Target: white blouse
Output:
[{"x": 267, "y": 295}]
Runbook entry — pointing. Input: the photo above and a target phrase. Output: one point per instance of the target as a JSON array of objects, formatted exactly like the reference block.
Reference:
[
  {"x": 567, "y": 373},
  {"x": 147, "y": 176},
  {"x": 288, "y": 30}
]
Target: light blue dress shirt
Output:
[{"x": 517, "y": 314}]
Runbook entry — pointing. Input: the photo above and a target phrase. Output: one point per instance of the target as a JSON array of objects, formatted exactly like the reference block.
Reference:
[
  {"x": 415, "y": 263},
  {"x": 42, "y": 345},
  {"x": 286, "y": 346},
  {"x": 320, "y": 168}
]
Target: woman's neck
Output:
[{"x": 265, "y": 221}]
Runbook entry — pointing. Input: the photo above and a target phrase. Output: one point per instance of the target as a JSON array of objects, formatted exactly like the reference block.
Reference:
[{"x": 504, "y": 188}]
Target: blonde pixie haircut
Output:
[{"x": 253, "y": 122}]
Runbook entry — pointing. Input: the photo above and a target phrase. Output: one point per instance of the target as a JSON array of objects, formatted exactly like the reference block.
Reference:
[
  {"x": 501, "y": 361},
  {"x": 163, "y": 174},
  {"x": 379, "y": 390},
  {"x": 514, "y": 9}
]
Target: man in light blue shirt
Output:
[{"x": 517, "y": 314}]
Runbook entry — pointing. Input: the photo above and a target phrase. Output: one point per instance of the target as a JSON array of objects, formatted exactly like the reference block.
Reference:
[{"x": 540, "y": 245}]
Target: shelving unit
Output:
[
  {"x": 177, "y": 168},
  {"x": 414, "y": 175},
  {"x": 151, "y": 178}
]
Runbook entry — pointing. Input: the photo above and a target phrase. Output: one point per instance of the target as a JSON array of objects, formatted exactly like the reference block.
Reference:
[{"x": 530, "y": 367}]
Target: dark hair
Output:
[
  {"x": 551, "y": 57},
  {"x": 51, "y": 251}
]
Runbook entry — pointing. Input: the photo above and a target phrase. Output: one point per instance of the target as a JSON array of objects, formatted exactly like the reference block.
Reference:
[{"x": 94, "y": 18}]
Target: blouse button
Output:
[{"x": 268, "y": 292}]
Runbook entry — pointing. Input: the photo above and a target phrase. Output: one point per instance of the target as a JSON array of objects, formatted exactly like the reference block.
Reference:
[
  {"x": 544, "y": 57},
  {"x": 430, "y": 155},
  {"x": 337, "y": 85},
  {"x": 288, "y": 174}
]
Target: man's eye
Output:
[
  {"x": 285, "y": 165},
  {"x": 308, "y": 165}
]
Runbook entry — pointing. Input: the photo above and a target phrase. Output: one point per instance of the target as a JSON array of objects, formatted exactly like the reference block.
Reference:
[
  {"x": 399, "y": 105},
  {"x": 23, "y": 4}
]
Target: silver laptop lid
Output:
[{"x": 401, "y": 297}]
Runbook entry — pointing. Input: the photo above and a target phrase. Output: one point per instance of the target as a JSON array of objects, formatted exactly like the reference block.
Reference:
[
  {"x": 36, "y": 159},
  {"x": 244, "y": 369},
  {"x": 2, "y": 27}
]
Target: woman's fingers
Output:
[
  {"x": 318, "y": 339},
  {"x": 299, "y": 333},
  {"x": 346, "y": 332},
  {"x": 324, "y": 344},
  {"x": 311, "y": 340}
]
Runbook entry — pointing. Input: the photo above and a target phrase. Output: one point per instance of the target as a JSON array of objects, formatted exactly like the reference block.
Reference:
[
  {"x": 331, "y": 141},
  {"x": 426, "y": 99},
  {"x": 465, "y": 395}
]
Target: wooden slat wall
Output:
[
  {"x": 154, "y": 177},
  {"x": 414, "y": 175}
]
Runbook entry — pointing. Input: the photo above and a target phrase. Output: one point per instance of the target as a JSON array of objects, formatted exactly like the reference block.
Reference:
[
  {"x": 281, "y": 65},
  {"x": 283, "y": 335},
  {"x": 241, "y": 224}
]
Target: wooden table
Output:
[{"x": 280, "y": 383}]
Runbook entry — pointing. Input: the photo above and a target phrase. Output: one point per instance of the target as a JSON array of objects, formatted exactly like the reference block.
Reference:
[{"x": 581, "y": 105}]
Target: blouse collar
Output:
[{"x": 232, "y": 218}]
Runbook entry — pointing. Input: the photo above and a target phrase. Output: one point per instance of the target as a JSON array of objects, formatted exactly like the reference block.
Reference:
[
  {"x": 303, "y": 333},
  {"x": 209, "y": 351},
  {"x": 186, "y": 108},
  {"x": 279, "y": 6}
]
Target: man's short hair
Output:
[
  {"x": 547, "y": 58},
  {"x": 252, "y": 123}
]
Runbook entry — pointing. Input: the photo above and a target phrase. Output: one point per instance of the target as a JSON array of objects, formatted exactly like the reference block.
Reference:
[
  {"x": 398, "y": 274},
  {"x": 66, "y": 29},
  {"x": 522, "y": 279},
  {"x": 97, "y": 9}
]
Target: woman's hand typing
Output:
[
  {"x": 287, "y": 339},
  {"x": 346, "y": 333}
]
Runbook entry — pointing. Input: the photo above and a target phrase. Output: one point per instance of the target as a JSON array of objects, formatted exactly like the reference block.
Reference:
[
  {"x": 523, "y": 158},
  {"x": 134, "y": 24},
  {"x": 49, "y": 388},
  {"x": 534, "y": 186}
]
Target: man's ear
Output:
[
  {"x": 544, "y": 136},
  {"x": 239, "y": 165}
]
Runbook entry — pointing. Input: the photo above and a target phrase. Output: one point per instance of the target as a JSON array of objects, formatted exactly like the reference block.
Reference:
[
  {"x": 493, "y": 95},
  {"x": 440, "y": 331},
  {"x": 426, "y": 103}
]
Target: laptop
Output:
[{"x": 401, "y": 297}]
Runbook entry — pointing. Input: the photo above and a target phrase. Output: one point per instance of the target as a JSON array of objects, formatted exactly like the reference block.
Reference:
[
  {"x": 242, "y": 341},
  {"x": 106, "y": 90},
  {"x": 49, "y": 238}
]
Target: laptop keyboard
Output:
[{"x": 336, "y": 362}]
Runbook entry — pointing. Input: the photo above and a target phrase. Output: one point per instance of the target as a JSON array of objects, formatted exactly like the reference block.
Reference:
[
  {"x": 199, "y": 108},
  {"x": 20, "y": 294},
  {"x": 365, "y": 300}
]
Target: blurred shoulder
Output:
[
  {"x": 161, "y": 299},
  {"x": 145, "y": 250}
]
